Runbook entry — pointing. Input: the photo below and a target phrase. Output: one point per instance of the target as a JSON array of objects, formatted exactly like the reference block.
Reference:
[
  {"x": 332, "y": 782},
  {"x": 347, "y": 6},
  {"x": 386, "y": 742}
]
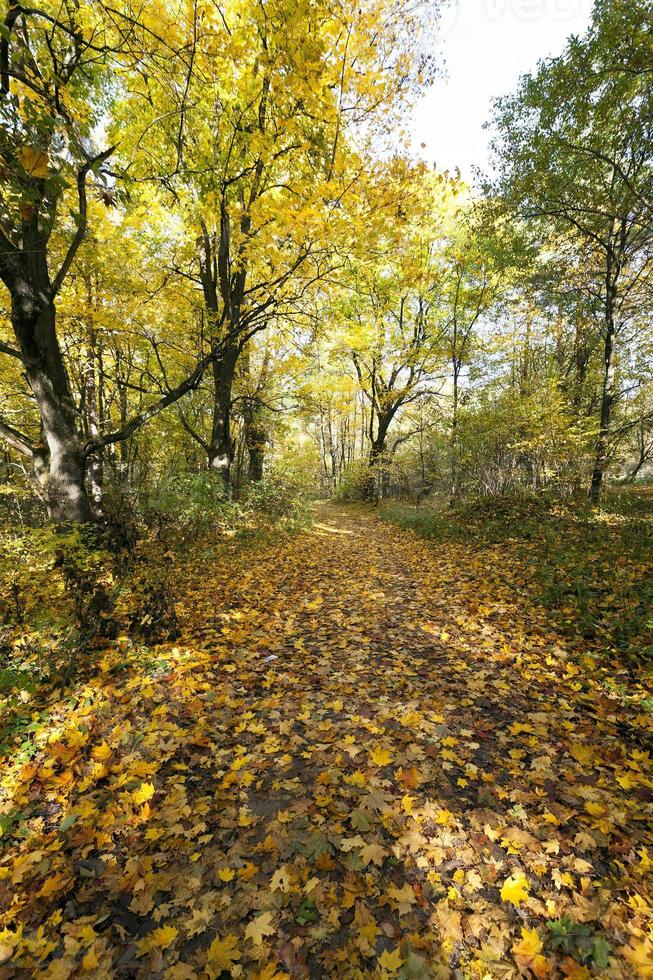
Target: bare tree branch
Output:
[
  {"x": 82, "y": 223},
  {"x": 21, "y": 443}
]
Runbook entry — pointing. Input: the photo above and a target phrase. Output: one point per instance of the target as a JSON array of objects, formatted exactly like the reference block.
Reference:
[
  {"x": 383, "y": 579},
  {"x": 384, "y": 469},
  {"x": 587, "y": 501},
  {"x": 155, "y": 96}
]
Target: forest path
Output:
[{"x": 365, "y": 756}]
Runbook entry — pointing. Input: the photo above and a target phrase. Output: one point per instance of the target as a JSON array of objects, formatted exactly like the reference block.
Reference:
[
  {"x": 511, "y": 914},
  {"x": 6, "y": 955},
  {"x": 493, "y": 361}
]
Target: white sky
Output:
[{"x": 486, "y": 45}]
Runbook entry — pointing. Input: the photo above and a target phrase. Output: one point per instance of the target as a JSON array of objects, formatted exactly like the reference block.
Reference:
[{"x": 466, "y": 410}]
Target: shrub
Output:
[
  {"x": 183, "y": 508},
  {"x": 278, "y": 496},
  {"x": 353, "y": 484}
]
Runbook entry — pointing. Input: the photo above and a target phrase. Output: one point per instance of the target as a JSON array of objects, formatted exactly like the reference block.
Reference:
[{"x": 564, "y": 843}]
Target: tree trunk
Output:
[
  {"x": 34, "y": 325},
  {"x": 221, "y": 449},
  {"x": 256, "y": 453},
  {"x": 607, "y": 393},
  {"x": 453, "y": 442},
  {"x": 255, "y": 439},
  {"x": 372, "y": 483},
  {"x": 91, "y": 399}
]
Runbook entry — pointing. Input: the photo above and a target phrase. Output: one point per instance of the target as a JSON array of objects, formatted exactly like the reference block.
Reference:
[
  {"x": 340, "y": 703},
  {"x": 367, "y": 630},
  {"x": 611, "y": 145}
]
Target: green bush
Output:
[
  {"x": 353, "y": 484},
  {"x": 186, "y": 507},
  {"x": 278, "y": 496}
]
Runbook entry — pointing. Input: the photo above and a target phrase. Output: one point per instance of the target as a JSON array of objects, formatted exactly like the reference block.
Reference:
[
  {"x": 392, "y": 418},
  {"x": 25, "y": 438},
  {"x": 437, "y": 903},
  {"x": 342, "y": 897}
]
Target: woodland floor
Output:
[{"x": 365, "y": 756}]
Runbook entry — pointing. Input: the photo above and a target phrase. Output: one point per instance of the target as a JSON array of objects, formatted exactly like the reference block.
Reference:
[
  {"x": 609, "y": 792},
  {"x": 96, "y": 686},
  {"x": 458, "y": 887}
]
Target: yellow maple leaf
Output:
[
  {"x": 247, "y": 871},
  {"x": 641, "y": 957},
  {"x": 515, "y": 888},
  {"x": 101, "y": 752},
  {"x": 409, "y": 777},
  {"x": 226, "y": 874},
  {"x": 270, "y": 972},
  {"x": 357, "y": 778},
  {"x": 528, "y": 953},
  {"x": 573, "y": 970},
  {"x": 159, "y": 938},
  {"x": 260, "y": 927},
  {"x": 144, "y": 793},
  {"x": 581, "y": 753},
  {"x": 281, "y": 880},
  {"x": 403, "y": 897},
  {"x": 222, "y": 955},
  {"x": 52, "y": 885},
  {"x": 596, "y": 809},
  {"x": 380, "y": 756},
  {"x": 391, "y": 962}
]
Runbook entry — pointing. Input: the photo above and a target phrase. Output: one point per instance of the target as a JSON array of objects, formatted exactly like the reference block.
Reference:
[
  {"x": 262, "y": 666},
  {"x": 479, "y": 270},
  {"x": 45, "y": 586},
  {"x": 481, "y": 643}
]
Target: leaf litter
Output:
[{"x": 365, "y": 756}]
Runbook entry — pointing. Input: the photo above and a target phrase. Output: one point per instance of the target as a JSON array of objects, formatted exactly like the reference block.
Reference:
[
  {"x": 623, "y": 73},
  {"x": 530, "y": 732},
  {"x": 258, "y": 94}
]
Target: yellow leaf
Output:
[
  {"x": 34, "y": 161},
  {"x": 101, "y": 752},
  {"x": 528, "y": 953},
  {"x": 391, "y": 962},
  {"x": 357, "y": 778},
  {"x": 90, "y": 961},
  {"x": 581, "y": 753},
  {"x": 403, "y": 897},
  {"x": 270, "y": 972},
  {"x": 260, "y": 927},
  {"x": 159, "y": 938},
  {"x": 222, "y": 955},
  {"x": 596, "y": 809},
  {"x": 380, "y": 756},
  {"x": 226, "y": 874},
  {"x": 144, "y": 793},
  {"x": 247, "y": 872},
  {"x": 641, "y": 957},
  {"x": 281, "y": 880},
  {"x": 573, "y": 970},
  {"x": 52, "y": 885},
  {"x": 515, "y": 888},
  {"x": 373, "y": 854},
  {"x": 409, "y": 777}
]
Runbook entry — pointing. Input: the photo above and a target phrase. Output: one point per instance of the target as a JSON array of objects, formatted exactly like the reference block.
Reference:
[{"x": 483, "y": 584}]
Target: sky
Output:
[{"x": 486, "y": 45}]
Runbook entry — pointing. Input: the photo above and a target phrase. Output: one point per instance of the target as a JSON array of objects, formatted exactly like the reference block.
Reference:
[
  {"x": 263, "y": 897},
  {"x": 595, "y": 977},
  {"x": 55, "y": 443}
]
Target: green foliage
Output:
[
  {"x": 279, "y": 496},
  {"x": 187, "y": 506},
  {"x": 54, "y": 598},
  {"x": 509, "y": 437},
  {"x": 579, "y": 940},
  {"x": 353, "y": 483},
  {"x": 307, "y": 912}
]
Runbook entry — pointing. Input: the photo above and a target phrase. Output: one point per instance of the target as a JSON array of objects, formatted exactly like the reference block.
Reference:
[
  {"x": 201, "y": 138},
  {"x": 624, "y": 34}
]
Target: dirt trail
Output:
[{"x": 365, "y": 757}]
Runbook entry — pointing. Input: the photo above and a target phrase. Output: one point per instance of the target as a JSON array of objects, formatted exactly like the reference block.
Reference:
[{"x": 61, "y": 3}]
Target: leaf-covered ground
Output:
[{"x": 365, "y": 756}]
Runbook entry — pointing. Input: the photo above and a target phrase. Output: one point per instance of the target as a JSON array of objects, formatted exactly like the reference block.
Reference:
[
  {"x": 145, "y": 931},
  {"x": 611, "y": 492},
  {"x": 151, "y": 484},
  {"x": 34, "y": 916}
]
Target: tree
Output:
[
  {"x": 574, "y": 148},
  {"x": 481, "y": 252},
  {"x": 252, "y": 141},
  {"x": 58, "y": 65},
  {"x": 391, "y": 329}
]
